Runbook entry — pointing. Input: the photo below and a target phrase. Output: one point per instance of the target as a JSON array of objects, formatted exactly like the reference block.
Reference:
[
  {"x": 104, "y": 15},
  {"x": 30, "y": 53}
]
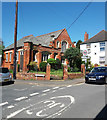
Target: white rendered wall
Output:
[{"x": 95, "y": 52}]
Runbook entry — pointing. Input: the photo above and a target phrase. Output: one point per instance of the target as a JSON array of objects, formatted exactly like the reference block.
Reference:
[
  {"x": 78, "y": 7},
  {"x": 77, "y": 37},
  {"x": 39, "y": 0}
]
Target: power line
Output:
[{"x": 80, "y": 14}]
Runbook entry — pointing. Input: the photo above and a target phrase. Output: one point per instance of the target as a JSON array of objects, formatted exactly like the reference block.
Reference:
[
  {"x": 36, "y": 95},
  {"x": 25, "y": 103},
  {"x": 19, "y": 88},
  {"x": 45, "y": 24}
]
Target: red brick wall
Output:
[{"x": 75, "y": 75}]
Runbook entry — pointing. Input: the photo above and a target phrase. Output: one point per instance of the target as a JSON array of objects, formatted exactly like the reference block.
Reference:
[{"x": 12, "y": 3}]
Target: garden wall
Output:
[
  {"x": 30, "y": 76},
  {"x": 75, "y": 75}
]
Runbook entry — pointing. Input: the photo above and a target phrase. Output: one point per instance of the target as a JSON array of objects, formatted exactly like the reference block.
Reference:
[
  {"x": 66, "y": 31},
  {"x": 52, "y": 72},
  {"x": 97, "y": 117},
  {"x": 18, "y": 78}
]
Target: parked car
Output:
[
  {"x": 5, "y": 75},
  {"x": 97, "y": 75}
]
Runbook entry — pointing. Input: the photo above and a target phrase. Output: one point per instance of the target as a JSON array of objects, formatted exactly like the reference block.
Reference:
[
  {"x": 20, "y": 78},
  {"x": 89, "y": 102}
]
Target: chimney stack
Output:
[{"x": 85, "y": 36}]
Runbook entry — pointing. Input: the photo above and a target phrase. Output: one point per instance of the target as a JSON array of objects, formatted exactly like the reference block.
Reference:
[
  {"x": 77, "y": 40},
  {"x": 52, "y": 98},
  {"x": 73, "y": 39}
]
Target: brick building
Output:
[{"x": 38, "y": 49}]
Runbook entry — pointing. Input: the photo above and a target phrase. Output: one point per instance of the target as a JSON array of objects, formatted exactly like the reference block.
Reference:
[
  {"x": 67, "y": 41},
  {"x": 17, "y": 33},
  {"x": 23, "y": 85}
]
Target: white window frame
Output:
[
  {"x": 10, "y": 57},
  {"x": 6, "y": 57},
  {"x": 17, "y": 56}
]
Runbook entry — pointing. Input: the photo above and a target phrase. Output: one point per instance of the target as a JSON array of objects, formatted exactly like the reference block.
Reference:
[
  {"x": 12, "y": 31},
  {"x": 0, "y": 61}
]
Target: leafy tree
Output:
[
  {"x": 72, "y": 54},
  {"x": 78, "y": 44}
]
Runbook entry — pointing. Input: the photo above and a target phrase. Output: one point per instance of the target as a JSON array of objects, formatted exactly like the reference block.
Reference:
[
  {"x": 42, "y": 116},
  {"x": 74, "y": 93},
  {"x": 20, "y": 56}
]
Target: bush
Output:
[
  {"x": 11, "y": 71},
  {"x": 43, "y": 66},
  {"x": 52, "y": 62},
  {"x": 33, "y": 66},
  {"x": 69, "y": 69},
  {"x": 18, "y": 67},
  {"x": 75, "y": 69}
]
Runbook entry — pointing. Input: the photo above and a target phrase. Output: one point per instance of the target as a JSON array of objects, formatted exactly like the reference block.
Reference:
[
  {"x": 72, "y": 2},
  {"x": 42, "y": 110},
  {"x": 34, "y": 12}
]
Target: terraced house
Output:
[{"x": 38, "y": 49}]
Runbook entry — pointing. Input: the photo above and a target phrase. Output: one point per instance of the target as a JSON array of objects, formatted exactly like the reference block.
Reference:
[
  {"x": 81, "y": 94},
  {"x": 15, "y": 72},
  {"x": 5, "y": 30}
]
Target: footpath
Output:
[{"x": 54, "y": 82}]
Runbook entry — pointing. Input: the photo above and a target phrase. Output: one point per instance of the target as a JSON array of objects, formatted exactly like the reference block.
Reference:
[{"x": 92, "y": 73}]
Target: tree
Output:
[
  {"x": 78, "y": 44},
  {"x": 1, "y": 51},
  {"x": 72, "y": 54}
]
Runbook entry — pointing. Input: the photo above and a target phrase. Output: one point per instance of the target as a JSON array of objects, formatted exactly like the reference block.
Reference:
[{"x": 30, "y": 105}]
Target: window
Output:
[
  {"x": 21, "y": 52},
  {"x": 95, "y": 53},
  {"x": 10, "y": 56},
  {"x": 88, "y": 45},
  {"x": 57, "y": 44},
  {"x": 95, "y": 45},
  {"x": 6, "y": 57},
  {"x": 64, "y": 46},
  {"x": 45, "y": 57},
  {"x": 17, "y": 56},
  {"x": 102, "y": 46},
  {"x": 89, "y": 51}
]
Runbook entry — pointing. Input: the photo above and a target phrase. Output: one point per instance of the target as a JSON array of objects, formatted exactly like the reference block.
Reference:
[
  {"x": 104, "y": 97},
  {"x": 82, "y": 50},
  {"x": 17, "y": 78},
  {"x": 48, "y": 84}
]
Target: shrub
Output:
[
  {"x": 75, "y": 69},
  {"x": 18, "y": 67},
  {"x": 52, "y": 62},
  {"x": 11, "y": 71},
  {"x": 43, "y": 66},
  {"x": 69, "y": 69},
  {"x": 58, "y": 64},
  {"x": 33, "y": 66}
]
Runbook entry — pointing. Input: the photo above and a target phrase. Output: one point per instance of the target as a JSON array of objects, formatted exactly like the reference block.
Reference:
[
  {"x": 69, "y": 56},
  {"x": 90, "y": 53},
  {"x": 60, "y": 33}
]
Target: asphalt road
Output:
[{"x": 28, "y": 99}]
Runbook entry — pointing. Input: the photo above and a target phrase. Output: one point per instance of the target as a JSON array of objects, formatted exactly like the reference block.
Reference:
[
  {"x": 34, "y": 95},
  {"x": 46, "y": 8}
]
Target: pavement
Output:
[{"x": 54, "y": 82}]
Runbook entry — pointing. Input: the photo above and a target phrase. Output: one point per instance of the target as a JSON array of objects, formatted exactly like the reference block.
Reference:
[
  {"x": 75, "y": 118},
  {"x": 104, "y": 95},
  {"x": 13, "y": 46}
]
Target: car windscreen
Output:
[
  {"x": 99, "y": 70},
  {"x": 4, "y": 70}
]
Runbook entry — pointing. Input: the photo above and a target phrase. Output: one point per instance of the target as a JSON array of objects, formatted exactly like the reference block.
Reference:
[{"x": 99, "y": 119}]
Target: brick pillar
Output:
[
  {"x": 48, "y": 68},
  {"x": 65, "y": 72},
  {"x": 39, "y": 58},
  {"x": 52, "y": 55},
  {"x": 58, "y": 56},
  {"x": 83, "y": 68},
  {"x": 27, "y": 55}
]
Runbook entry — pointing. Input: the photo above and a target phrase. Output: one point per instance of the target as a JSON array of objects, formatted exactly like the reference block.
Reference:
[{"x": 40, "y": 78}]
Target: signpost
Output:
[{"x": 85, "y": 57}]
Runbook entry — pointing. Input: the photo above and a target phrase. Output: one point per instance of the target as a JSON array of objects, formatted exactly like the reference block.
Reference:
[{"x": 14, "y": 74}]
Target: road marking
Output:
[
  {"x": 11, "y": 106},
  {"x": 33, "y": 94},
  {"x": 55, "y": 87},
  {"x": 1, "y": 104},
  {"x": 21, "y": 98},
  {"x": 69, "y": 86},
  {"x": 62, "y": 88},
  {"x": 15, "y": 113},
  {"x": 46, "y": 90},
  {"x": 20, "y": 89},
  {"x": 53, "y": 91},
  {"x": 43, "y": 94},
  {"x": 54, "y": 105}
]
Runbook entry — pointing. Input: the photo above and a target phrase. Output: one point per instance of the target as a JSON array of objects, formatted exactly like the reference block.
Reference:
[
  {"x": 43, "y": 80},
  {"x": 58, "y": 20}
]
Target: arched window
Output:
[{"x": 64, "y": 46}]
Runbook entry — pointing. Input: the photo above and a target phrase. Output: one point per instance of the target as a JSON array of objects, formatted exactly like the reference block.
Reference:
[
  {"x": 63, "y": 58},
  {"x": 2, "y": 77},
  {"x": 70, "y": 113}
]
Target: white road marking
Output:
[
  {"x": 1, "y": 104},
  {"x": 33, "y": 94},
  {"x": 55, "y": 87},
  {"x": 20, "y": 89},
  {"x": 15, "y": 113},
  {"x": 53, "y": 91},
  {"x": 43, "y": 94},
  {"x": 46, "y": 90},
  {"x": 69, "y": 86},
  {"x": 29, "y": 113},
  {"x": 11, "y": 106},
  {"x": 62, "y": 88},
  {"x": 38, "y": 114},
  {"x": 21, "y": 98},
  {"x": 54, "y": 105}
]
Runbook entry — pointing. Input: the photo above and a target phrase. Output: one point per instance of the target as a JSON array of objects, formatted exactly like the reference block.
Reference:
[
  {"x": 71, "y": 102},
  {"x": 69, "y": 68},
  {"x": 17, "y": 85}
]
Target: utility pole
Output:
[{"x": 15, "y": 40}]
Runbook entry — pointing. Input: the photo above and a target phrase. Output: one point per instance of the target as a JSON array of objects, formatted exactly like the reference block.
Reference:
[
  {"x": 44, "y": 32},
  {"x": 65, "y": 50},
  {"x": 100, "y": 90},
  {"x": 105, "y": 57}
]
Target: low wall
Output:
[
  {"x": 30, "y": 76},
  {"x": 75, "y": 75}
]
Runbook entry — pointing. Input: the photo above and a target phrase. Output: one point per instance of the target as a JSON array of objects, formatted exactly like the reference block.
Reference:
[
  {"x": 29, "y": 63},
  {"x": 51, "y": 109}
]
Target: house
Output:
[
  {"x": 38, "y": 49},
  {"x": 95, "y": 48}
]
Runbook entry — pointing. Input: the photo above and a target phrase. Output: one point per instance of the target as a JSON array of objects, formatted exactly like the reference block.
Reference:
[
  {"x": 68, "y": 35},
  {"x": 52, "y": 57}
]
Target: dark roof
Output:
[
  {"x": 99, "y": 37},
  {"x": 44, "y": 40}
]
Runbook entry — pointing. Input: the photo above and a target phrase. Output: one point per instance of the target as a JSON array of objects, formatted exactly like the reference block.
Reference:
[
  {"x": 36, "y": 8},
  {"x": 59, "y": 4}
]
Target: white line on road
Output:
[
  {"x": 53, "y": 91},
  {"x": 46, "y": 90},
  {"x": 21, "y": 98},
  {"x": 55, "y": 87},
  {"x": 11, "y": 106},
  {"x": 33, "y": 94},
  {"x": 20, "y": 89},
  {"x": 1, "y": 104},
  {"x": 69, "y": 86},
  {"x": 43, "y": 94}
]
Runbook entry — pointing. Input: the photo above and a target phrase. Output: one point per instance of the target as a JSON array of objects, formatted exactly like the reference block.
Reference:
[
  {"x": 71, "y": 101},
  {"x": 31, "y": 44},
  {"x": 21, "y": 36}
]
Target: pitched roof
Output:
[
  {"x": 99, "y": 37},
  {"x": 44, "y": 40}
]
